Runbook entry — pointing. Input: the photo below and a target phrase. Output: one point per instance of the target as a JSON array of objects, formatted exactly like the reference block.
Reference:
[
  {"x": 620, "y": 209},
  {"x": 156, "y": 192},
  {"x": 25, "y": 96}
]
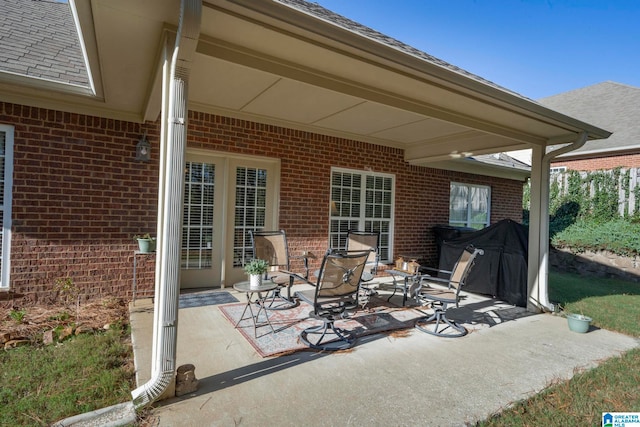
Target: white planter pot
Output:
[{"x": 255, "y": 281}]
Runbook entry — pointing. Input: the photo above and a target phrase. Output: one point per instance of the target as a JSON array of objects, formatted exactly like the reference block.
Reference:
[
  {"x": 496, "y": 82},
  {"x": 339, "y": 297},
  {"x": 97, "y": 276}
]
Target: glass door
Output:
[
  {"x": 225, "y": 197},
  {"x": 201, "y": 222},
  {"x": 252, "y": 195}
]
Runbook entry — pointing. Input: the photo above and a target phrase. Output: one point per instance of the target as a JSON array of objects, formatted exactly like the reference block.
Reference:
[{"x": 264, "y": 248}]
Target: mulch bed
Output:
[{"x": 37, "y": 319}]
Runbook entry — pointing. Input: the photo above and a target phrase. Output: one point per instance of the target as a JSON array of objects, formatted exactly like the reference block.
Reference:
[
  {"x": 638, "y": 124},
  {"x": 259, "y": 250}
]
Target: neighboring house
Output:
[
  {"x": 259, "y": 114},
  {"x": 612, "y": 106}
]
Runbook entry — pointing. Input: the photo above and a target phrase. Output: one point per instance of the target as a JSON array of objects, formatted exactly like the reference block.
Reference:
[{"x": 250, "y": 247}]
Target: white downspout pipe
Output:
[
  {"x": 176, "y": 69},
  {"x": 539, "y": 262}
]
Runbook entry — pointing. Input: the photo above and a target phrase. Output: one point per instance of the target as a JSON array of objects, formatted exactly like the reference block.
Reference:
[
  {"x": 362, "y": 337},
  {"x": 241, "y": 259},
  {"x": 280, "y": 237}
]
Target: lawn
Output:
[
  {"x": 614, "y": 386},
  {"x": 41, "y": 384}
]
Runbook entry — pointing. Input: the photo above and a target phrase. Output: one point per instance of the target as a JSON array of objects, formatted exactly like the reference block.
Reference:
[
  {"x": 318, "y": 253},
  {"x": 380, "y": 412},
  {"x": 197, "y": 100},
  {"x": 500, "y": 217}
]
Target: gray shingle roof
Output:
[
  {"x": 501, "y": 159},
  {"x": 39, "y": 39},
  {"x": 609, "y": 105}
]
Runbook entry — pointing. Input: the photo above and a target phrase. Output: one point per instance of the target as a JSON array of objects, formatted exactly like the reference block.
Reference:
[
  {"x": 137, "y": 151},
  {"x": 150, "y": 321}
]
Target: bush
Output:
[{"x": 619, "y": 236}]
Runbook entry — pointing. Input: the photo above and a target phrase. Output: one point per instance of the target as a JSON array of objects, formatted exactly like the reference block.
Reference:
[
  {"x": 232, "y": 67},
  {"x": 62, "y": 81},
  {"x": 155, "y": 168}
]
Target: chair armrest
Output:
[
  {"x": 297, "y": 276},
  {"x": 435, "y": 270}
]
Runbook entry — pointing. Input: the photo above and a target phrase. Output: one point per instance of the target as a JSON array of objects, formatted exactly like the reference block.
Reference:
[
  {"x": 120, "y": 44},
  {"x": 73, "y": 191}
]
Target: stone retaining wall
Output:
[{"x": 598, "y": 264}]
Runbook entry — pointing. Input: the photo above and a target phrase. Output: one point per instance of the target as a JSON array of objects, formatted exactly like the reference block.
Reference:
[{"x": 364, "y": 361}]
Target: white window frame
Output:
[
  {"x": 468, "y": 222},
  {"x": 361, "y": 219},
  {"x": 5, "y": 206}
]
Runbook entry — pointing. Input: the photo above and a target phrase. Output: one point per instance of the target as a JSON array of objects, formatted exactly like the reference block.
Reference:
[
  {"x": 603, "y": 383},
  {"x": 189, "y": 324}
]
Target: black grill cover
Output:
[{"x": 502, "y": 271}]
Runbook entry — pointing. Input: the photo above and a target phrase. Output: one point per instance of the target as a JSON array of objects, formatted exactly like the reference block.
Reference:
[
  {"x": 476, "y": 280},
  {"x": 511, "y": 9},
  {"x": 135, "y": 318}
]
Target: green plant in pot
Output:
[
  {"x": 256, "y": 268},
  {"x": 146, "y": 243}
]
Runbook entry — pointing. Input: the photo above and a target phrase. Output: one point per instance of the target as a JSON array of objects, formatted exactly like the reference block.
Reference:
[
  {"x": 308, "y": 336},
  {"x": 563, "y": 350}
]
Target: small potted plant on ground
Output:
[
  {"x": 578, "y": 322},
  {"x": 256, "y": 268},
  {"x": 146, "y": 243}
]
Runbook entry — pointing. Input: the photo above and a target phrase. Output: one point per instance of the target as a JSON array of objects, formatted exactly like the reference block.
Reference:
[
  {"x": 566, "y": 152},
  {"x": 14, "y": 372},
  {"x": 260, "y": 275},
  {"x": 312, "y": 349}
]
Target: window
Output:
[
  {"x": 558, "y": 169},
  {"x": 6, "y": 183},
  {"x": 197, "y": 221},
  {"x": 469, "y": 205},
  {"x": 361, "y": 201}
]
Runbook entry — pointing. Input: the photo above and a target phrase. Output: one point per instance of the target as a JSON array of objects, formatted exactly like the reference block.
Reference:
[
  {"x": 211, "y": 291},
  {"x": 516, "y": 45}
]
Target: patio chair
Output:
[
  {"x": 365, "y": 241},
  {"x": 335, "y": 292},
  {"x": 272, "y": 247},
  {"x": 440, "y": 297}
]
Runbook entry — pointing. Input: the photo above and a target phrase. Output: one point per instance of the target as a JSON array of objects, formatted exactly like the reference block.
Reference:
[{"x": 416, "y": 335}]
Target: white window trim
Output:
[
  {"x": 362, "y": 198},
  {"x": 6, "y": 206},
  {"x": 468, "y": 222}
]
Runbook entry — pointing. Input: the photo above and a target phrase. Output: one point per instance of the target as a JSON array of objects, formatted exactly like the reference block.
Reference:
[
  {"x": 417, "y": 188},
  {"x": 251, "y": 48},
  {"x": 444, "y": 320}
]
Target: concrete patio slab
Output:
[{"x": 408, "y": 380}]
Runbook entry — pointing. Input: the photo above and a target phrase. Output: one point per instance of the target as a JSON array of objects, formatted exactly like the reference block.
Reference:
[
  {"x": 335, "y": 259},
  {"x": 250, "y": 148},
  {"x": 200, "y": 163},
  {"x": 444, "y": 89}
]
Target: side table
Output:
[
  {"x": 408, "y": 280},
  {"x": 260, "y": 302}
]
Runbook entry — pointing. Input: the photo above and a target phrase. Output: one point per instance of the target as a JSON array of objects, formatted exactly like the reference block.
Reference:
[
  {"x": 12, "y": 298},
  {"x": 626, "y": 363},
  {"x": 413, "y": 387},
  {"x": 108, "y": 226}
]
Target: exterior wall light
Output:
[{"x": 143, "y": 149}]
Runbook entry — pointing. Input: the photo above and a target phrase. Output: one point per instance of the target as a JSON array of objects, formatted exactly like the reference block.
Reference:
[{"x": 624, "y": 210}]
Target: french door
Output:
[{"x": 225, "y": 197}]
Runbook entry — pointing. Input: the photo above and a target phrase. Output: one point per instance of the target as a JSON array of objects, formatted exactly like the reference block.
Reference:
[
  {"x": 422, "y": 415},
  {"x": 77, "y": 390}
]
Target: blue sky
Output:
[{"x": 537, "y": 48}]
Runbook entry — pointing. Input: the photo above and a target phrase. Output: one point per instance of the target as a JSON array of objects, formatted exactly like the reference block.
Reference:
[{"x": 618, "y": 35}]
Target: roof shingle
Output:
[{"x": 39, "y": 40}]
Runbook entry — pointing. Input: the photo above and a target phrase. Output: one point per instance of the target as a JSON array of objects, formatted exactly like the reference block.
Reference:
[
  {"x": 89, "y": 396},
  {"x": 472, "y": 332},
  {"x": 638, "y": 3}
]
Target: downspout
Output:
[
  {"x": 170, "y": 200},
  {"x": 543, "y": 262}
]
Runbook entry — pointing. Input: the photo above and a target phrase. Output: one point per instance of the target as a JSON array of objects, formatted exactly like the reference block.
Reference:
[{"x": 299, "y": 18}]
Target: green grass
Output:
[
  {"x": 41, "y": 385},
  {"x": 613, "y": 386}
]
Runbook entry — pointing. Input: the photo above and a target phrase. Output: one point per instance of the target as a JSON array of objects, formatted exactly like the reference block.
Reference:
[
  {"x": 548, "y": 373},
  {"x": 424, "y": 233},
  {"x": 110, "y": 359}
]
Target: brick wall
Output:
[
  {"x": 78, "y": 198},
  {"x": 79, "y": 194},
  {"x": 599, "y": 163}
]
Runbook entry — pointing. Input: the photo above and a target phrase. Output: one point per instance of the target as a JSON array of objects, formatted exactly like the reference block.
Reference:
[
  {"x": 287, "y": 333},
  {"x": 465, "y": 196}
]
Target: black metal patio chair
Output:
[
  {"x": 334, "y": 293},
  {"x": 441, "y": 297}
]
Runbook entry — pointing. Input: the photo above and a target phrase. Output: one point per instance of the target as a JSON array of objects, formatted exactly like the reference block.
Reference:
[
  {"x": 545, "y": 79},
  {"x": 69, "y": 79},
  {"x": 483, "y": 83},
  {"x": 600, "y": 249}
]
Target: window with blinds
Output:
[
  {"x": 197, "y": 222},
  {"x": 361, "y": 201},
  {"x": 250, "y": 211},
  {"x": 6, "y": 182}
]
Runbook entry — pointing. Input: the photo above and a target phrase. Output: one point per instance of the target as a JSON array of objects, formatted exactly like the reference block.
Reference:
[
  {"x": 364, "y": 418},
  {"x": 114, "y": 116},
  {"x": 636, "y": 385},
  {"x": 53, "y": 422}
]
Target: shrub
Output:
[{"x": 619, "y": 236}]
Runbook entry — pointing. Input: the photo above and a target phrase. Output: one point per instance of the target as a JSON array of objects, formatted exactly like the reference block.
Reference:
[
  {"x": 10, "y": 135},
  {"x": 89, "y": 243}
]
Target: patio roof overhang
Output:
[{"x": 280, "y": 63}]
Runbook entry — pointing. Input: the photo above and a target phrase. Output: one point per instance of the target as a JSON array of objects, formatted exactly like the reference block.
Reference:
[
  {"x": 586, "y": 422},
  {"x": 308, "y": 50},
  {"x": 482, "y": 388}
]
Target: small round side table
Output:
[{"x": 260, "y": 301}]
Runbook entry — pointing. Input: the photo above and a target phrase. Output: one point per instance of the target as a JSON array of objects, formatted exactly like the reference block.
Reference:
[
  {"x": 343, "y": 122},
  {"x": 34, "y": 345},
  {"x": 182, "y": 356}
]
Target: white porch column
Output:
[
  {"x": 537, "y": 288},
  {"x": 538, "y": 277}
]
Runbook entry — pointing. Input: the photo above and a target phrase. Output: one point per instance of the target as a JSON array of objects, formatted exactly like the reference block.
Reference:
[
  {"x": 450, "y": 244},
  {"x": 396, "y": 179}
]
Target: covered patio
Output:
[
  {"x": 293, "y": 64},
  {"x": 404, "y": 379}
]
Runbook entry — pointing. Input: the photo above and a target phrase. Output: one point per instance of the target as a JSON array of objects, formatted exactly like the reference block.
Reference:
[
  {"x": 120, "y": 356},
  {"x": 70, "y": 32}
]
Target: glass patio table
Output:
[{"x": 261, "y": 292}]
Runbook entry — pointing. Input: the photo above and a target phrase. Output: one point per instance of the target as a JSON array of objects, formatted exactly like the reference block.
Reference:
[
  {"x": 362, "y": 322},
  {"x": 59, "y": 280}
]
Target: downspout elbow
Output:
[{"x": 548, "y": 157}]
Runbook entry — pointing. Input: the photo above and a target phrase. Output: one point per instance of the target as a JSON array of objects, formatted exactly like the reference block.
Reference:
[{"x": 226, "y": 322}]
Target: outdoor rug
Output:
[
  {"x": 199, "y": 299},
  {"x": 379, "y": 316}
]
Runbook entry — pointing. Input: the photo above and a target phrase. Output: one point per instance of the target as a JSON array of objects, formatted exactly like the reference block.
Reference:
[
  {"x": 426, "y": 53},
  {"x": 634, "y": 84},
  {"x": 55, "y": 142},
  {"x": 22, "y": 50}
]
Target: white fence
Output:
[{"x": 628, "y": 187}]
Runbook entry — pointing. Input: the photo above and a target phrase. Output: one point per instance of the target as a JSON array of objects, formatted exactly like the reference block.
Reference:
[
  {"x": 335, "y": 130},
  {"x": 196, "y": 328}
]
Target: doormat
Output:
[
  {"x": 199, "y": 299},
  {"x": 379, "y": 316}
]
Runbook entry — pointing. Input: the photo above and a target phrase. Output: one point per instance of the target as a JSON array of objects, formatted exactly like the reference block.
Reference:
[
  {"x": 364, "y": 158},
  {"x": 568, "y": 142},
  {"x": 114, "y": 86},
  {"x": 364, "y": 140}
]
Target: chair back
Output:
[
  {"x": 271, "y": 246},
  {"x": 463, "y": 266},
  {"x": 365, "y": 241},
  {"x": 340, "y": 273}
]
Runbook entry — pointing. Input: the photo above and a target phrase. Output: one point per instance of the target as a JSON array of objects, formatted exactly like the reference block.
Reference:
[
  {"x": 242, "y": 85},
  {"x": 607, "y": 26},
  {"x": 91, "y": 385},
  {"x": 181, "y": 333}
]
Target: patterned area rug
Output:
[
  {"x": 379, "y": 316},
  {"x": 199, "y": 299}
]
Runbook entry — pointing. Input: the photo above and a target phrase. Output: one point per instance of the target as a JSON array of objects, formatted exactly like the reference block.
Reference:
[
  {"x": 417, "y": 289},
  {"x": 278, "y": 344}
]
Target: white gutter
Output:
[
  {"x": 543, "y": 250},
  {"x": 170, "y": 201}
]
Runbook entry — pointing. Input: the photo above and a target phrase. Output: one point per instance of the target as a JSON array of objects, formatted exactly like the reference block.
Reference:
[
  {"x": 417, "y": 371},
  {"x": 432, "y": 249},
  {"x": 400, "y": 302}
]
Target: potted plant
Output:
[
  {"x": 146, "y": 243},
  {"x": 578, "y": 322},
  {"x": 256, "y": 268}
]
